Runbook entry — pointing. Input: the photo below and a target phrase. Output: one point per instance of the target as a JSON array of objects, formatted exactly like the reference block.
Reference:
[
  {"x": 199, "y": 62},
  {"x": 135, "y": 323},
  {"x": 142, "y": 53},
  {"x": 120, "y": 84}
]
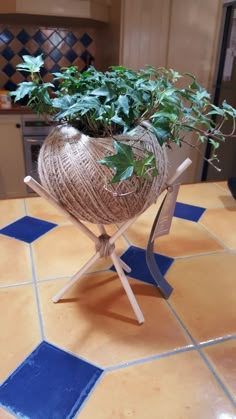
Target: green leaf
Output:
[
  {"x": 124, "y": 150},
  {"x": 24, "y": 89},
  {"x": 124, "y": 104},
  {"x": 122, "y": 174},
  {"x": 122, "y": 162},
  {"x": 118, "y": 120},
  {"x": 31, "y": 64}
]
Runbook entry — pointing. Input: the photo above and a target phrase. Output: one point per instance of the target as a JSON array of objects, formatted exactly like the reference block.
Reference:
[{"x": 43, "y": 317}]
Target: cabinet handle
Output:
[{"x": 18, "y": 125}]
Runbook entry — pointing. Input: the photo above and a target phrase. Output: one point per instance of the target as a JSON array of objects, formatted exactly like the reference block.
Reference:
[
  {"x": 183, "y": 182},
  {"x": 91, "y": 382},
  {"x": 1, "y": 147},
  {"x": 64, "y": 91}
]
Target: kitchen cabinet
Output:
[
  {"x": 12, "y": 167},
  {"x": 84, "y": 9}
]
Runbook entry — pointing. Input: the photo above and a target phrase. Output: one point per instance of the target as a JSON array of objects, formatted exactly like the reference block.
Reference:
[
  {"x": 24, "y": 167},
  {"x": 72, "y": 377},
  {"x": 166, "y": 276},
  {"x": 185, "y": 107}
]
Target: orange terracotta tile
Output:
[
  {"x": 15, "y": 264},
  {"x": 185, "y": 237},
  {"x": 223, "y": 357},
  {"x": 39, "y": 208},
  {"x": 19, "y": 326},
  {"x": 206, "y": 195},
  {"x": 178, "y": 387},
  {"x": 5, "y": 415},
  {"x": 223, "y": 185},
  {"x": 222, "y": 223},
  {"x": 205, "y": 294},
  {"x": 95, "y": 320},
  {"x": 10, "y": 211},
  {"x": 64, "y": 250}
]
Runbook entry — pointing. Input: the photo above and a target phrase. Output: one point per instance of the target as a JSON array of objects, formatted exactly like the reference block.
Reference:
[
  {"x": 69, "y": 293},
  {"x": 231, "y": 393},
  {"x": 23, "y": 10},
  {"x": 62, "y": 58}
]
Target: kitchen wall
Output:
[{"x": 63, "y": 43}]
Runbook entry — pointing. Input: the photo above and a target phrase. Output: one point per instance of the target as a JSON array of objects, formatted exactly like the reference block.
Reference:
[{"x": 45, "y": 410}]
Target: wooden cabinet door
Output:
[{"x": 12, "y": 165}]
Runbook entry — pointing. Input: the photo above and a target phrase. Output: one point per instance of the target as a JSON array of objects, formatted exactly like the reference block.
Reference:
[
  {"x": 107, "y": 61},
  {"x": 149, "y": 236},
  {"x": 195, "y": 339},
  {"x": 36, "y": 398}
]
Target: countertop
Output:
[{"x": 16, "y": 110}]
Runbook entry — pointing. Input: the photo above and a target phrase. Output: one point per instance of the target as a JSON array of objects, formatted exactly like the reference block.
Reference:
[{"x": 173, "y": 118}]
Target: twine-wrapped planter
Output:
[{"x": 69, "y": 169}]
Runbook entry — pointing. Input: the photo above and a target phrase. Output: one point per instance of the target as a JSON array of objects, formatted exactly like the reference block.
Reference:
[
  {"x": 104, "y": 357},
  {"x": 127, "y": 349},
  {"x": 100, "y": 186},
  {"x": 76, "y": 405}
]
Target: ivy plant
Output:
[{"x": 106, "y": 104}]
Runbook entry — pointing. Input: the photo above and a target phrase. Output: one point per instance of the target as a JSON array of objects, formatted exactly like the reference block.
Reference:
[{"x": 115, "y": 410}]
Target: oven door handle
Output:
[{"x": 34, "y": 140}]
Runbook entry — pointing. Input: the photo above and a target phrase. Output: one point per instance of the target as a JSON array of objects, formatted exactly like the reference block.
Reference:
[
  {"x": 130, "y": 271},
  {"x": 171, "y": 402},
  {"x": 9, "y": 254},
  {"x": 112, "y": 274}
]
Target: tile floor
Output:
[{"x": 86, "y": 356}]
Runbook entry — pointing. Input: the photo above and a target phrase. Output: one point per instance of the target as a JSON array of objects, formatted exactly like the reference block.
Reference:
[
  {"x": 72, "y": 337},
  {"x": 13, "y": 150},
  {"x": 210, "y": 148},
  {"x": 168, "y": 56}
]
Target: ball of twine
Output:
[{"x": 68, "y": 168}]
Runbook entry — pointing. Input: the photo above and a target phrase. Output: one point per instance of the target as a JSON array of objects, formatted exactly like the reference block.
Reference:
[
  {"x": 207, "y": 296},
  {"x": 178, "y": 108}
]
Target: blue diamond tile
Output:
[
  {"x": 86, "y": 40},
  {"x": 135, "y": 257},
  {"x": 188, "y": 212},
  {"x": 6, "y": 36},
  {"x": 23, "y": 36},
  {"x": 39, "y": 37},
  {"x": 43, "y": 71},
  {"x": 87, "y": 57},
  {"x": 71, "y": 55},
  {"x": 9, "y": 70},
  {"x": 8, "y": 53},
  {"x": 55, "y": 55},
  {"x": 55, "y": 39},
  {"x": 23, "y": 51},
  {"x": 49, "y": 384},
  {"x": 38, "y": 52},
  {"x": 70, "y": 39},
  {"x": 55, "y": 69},
  {"x": 27, "y": 229},
  {"x": 9, "y": 85}
]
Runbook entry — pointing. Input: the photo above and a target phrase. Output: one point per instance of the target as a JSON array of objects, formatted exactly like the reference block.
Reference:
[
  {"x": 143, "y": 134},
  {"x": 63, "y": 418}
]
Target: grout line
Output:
[
  {"x": 89, "y": 395},
  {"x": 40, "y": 318},
  {"x": 216, "y": 341},
  {"x": 215, "y": 237},
  {"x": 213, "y": 252},
  {"x": 15, "y": 285},
  {"x": 69, "y": 276},
  {"x": 218, "y": 379},
  {"x": 37, "y": 294},
  {"x": 202, "y": 355},
  {"x": 150, "y": 358},
  {"x": 181, "y": 323}
]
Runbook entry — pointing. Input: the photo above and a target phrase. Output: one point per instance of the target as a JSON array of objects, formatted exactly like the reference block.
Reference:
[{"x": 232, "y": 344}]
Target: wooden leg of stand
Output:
[
  {"x": 124, "y": 266},
  {"x": 75, "y": 278},
  {"x": 127, "y": 288}
]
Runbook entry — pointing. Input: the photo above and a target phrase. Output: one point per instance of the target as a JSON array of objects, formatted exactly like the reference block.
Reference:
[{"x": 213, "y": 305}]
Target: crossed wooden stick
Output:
[{"x": 104, "y": 244}]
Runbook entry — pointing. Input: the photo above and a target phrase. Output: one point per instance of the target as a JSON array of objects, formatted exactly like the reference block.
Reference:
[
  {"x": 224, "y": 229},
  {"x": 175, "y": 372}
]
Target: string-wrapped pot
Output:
[{"x": 68, "y": 168}]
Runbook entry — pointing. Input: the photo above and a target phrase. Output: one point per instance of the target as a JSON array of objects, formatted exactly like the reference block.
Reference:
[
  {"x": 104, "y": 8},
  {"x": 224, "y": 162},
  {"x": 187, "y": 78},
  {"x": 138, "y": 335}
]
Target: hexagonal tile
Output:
[
  {"x": 11, "y": 210},
  {"x": 15, "y": 263},
  {"x": 223, "y": 357},
  {"x": 206, "y": 195},
  {"x": 39, "y": 208},
  {"x": 20, "y": 332},
  {"x": 205, "y": 294},
  {"x": 180, "y": 386},
  {"x": 222, "y": 223},
  {"x": 65, "y": 250},
  {"x": 185, "y": 238},
  {"x": 95, "y": 320}
]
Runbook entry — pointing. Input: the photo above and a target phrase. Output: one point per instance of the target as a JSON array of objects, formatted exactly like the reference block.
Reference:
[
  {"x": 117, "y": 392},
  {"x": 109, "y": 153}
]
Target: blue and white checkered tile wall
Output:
[{"x": 60, "y": 48}]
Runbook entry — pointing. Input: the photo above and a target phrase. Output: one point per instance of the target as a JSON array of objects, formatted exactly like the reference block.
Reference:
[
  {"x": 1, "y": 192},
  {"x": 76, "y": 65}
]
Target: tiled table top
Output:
[{"x": 86, "y": 356}]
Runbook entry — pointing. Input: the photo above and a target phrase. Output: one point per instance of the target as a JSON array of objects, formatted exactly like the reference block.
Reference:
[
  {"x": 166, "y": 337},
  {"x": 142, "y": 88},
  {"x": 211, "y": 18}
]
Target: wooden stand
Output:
[{"x": 100, "y": 241}]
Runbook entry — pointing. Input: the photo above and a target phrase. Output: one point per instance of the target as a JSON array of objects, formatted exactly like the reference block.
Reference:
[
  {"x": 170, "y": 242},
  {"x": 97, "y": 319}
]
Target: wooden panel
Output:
[
  {"x": 194, "y": 27},
  {"x": 144, "y": 33},
  {"x": 193, "y": 43}
]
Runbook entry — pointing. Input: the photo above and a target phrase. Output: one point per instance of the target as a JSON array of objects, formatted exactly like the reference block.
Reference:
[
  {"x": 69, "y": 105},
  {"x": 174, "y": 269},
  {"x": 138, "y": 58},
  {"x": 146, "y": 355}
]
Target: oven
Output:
[{"x": 35, "y": 130}]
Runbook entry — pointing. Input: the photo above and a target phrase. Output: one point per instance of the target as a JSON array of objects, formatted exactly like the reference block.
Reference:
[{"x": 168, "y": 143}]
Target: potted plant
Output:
[{"x": 105, "y": 161}]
